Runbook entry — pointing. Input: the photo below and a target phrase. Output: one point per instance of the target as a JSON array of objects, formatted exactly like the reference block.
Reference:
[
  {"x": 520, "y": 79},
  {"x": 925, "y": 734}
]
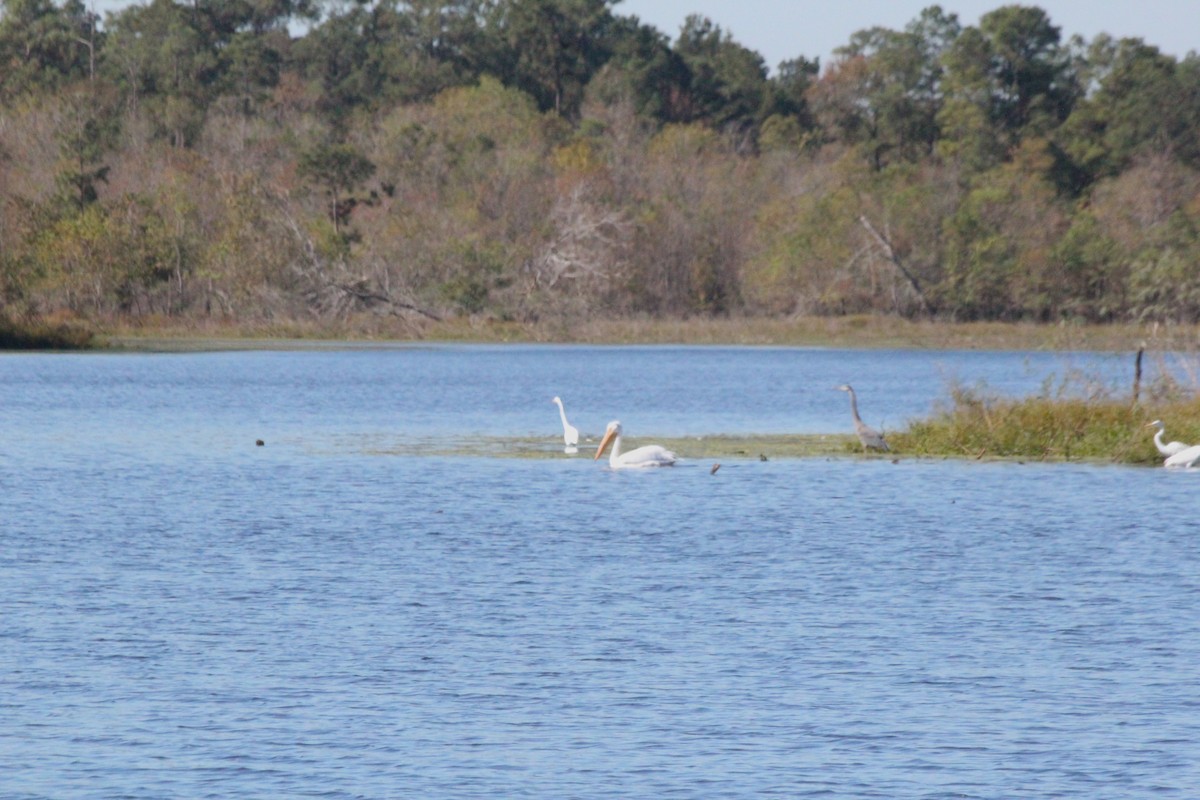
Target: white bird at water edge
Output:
[
  {"x": 651, "y": 455},
  {"x": 570, "y": 432},
  {"x": 1170, "y": 448},
  {"x": 1184, "y": 458}
]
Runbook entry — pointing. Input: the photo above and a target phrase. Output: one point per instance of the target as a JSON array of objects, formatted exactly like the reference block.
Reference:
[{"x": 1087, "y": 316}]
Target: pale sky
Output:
[{"x": 780, "y": 30}]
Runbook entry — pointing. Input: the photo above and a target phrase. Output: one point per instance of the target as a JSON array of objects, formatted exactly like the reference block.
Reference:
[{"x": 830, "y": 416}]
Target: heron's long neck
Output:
[
  {"x": 562, "y": 413},
  {"x": 1158, "y": 442},
  {"x": 854, "y": 407}
]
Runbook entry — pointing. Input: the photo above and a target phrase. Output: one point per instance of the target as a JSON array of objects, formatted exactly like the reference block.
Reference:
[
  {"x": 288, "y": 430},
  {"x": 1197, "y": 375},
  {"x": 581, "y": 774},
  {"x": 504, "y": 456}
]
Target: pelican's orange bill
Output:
[{"x": 608, "y": 437}]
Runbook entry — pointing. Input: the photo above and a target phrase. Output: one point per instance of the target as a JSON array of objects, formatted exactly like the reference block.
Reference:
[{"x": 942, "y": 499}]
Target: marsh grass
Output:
[
  {"x": 692, "y": 448},
  {"x": 849, "y": 331},
  {"x": 1075, "y": 419},
  {"x": 973, "y": 426},
  {"x": 1049, "y": 428}
]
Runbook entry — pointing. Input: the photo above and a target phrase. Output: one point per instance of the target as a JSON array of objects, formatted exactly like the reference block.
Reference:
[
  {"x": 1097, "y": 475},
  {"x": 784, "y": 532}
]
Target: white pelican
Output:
[
  {"x": 652, "y": 455},
  {"x": 1170, "y": 448},
  {"x": 871, "y": 439},
  {"x": 1184, "y": 458},
  {"x": 570, "y": 432}
]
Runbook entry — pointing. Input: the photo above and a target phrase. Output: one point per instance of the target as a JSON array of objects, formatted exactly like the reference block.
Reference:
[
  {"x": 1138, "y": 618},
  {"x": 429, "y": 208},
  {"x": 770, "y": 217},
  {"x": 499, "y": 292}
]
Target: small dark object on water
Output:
[
  {"x": 259, "y": 442},
  {"x": 762, "y": 457},
  {"x": 714, "y": 469}
]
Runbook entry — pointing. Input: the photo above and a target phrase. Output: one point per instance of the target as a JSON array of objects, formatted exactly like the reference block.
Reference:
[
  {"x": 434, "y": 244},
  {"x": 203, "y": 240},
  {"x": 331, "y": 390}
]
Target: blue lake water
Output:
[{"x": 184, "y": 614}]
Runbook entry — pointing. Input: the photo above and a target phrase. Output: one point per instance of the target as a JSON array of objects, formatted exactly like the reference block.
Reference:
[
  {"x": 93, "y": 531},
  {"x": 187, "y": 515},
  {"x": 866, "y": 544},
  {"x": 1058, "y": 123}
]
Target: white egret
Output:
[
  {"x": 651, "y": 455},
  {"x": 570, "y": 432},
  {"x": 871, "y": 439},
  {"x": 1184, "y": 458},
  {"x": 1170, "y": 448}
]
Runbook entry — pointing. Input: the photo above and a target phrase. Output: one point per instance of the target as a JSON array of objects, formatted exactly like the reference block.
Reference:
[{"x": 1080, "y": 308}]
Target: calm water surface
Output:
[{"x": 183, "y": 614}]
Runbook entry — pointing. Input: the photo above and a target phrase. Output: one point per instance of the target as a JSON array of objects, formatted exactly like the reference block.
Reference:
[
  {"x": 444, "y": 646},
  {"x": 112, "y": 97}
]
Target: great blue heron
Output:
[
  {"x": 871, "y": 439},
  {"x": 652, "y": 455},
  {"x": 1170, "y": 448},
  {"x": 570, "y": 432}
]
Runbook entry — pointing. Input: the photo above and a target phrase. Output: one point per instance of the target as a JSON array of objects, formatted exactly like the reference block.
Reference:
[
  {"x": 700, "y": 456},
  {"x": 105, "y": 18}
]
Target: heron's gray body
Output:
[{"x": 870, "y": 438}]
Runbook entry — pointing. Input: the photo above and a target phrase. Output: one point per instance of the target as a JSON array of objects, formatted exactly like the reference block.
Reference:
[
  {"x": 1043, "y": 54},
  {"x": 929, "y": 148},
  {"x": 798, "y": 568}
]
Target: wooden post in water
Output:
[{"x": 1137, "y": 374}]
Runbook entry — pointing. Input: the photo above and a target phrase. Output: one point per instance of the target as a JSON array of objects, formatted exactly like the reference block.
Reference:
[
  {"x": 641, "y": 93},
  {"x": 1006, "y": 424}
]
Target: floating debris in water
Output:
[{"x": 259, "y": 442}]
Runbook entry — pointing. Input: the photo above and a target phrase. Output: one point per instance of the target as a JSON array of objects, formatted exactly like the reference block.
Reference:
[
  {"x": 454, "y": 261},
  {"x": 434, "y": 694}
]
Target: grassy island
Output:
[{"x": 1062, "y": 425}]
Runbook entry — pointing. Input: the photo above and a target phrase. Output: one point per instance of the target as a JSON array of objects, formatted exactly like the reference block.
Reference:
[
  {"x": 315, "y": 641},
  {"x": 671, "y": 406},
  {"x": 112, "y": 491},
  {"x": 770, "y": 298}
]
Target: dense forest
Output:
[{"x": 382, "y": 163}]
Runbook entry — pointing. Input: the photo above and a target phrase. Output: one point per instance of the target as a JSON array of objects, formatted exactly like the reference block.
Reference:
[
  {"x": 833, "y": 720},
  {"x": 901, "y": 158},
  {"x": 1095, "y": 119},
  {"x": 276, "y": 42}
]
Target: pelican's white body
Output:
[{"x": 652, "y": 455}]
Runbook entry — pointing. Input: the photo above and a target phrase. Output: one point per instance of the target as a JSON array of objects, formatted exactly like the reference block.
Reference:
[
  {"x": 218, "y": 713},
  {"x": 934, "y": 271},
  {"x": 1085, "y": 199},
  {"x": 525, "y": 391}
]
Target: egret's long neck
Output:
[
  {"x": 562, "y": 413},
  {"x": 1158, "y": 442}
]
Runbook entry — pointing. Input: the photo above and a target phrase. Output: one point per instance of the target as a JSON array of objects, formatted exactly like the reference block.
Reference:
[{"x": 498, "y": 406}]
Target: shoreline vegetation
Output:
[
  {"x": 1023, "y": 430},
  {"x": 855, "y": 331},
  {"x": 183, "y": 177},
  {"x": 972, "y": 427},
  {"x": 402, "y": 170},
  {"x": 1073, "y": 421}
]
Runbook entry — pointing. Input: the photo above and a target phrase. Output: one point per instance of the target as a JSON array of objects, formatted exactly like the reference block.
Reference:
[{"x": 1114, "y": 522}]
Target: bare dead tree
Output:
[
  {"x": 332, "y": 288},
  {"x": 893, "y": 257},
  {"x": 587, "y": 243}
]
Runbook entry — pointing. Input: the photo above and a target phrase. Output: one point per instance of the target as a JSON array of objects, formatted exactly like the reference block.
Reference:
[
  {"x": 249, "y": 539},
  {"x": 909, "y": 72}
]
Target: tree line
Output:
[{"x": 289, "y": 160}]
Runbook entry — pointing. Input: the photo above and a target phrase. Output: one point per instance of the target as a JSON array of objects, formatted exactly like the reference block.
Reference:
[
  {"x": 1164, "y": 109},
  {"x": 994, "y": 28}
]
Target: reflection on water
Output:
[{"x": 185, "y": 613}]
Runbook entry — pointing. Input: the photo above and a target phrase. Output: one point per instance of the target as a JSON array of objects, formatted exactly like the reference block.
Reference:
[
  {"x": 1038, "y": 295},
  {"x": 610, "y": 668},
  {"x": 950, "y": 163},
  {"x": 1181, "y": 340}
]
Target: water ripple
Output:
[{"x": 181, "y": 621}]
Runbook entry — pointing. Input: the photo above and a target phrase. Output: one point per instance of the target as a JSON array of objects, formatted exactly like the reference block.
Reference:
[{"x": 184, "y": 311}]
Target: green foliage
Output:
[
  {"x": 1036, "y": 428},
  {"x": 100, "y": 260},
  {"x": 86, "y": 133},
  {"x": 553, "y": 157},
  {"x": 1163, "y": 281},
  {"x": 44, "y": 336},
  {"x": 1092, "y": 271},
  {"x": 1006, "y": 80},
  {"x": 161, "y": 54},
  {"x": 728, "y": 82},
  {"x": 1145, "y": 102},
  {"x": 551, "y": 48},
  {"x": 789, "y": 91},
  {"x": 1032, "y": 86},
  {"x": 482, "y": 116},
  {"x": 882, "y": 93},
  {"x": 1084, "y": 424},
  {"x": 1000, "y": 244},
  {"x": 782, "y": 133},
  {"x": 44, "y": 47},
  {"x": 339, "y": 169},
  {"x": 391, "y": 52},
  {"x": 644, "y": 72},
  {"x": 802, "y": 248},
  {"x": 482, "y": 271}
]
